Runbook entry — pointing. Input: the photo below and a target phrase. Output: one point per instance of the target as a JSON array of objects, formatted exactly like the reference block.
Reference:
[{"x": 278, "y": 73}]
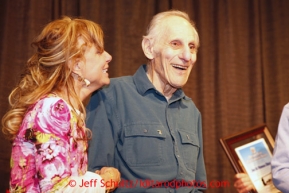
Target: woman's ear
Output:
[
  {"x": 76, "y": 67},
  {"x": 147, "y": 48}
]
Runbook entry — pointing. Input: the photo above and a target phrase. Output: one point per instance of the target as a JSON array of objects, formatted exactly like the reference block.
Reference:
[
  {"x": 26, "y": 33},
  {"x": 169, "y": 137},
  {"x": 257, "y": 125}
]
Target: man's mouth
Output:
[{"x": 180, "y": 67}]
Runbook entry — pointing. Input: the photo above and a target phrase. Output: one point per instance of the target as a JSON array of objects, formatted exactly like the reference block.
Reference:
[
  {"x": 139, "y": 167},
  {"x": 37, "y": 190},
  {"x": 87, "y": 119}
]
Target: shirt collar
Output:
[{"x": 143, "y": 84}]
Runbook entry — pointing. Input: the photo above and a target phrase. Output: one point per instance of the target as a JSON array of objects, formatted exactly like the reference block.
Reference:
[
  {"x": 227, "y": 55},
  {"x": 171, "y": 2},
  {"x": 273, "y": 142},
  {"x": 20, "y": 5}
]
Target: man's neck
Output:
[{"x": 166, "y": 89}]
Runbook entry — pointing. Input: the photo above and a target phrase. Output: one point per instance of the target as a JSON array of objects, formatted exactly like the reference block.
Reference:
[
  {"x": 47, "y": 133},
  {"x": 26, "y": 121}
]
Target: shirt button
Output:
[
  {"x": 145, "y": 131},
  {"x": 178, "y": 155}
]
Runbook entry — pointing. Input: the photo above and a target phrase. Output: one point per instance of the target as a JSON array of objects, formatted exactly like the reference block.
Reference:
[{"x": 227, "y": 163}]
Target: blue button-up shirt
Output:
[{"x": 156, "y": 144}]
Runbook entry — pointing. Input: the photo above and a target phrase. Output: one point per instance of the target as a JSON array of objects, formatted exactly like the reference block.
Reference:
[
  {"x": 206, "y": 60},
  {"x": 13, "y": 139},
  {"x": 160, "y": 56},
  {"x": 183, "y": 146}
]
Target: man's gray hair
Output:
[{"x": 156, "y": 29}]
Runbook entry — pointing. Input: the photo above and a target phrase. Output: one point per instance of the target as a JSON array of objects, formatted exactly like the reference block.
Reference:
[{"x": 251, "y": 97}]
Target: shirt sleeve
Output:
[
  {"x": 280, "y": 160},
  {"x": 101, "y": 122}
]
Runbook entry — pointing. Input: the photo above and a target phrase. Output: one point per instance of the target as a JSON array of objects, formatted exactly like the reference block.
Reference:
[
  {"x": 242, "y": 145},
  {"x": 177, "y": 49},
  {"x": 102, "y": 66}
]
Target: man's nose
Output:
[{"x": 186, "y": 54}]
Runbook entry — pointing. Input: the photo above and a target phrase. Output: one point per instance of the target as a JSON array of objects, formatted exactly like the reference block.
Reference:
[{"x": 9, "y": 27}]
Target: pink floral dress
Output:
[{"x": 45, "y": 153}]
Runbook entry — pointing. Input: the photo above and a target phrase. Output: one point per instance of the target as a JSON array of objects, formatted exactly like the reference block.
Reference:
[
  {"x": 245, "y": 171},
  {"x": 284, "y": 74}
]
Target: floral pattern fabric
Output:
[{"x": 46, "y": 151}]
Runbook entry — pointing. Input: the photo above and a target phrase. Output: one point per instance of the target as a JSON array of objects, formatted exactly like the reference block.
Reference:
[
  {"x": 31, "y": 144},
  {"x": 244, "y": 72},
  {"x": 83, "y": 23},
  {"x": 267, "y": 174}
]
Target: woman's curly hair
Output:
[{"x": 48, "y": 70}]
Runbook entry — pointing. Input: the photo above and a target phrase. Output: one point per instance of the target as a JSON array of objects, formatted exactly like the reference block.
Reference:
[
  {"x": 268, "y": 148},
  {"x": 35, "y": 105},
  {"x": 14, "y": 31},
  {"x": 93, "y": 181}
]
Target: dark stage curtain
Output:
[{"x": 240, "y": 79}]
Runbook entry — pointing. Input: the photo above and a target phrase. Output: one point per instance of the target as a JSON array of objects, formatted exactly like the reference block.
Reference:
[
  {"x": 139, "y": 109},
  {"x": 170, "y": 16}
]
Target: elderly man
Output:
[{"x": 144, "y": 125}]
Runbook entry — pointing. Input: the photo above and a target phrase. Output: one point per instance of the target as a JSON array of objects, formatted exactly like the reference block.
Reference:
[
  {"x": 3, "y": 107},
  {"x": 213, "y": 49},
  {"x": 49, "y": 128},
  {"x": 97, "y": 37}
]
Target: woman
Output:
[{"x": 46, "y": 119}]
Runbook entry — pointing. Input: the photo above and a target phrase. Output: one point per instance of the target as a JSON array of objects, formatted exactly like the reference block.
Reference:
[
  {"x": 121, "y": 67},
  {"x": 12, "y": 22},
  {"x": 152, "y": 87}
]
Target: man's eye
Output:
[
  {"x": 175, "y": 44},
  {"x": 192, "y": 47}
]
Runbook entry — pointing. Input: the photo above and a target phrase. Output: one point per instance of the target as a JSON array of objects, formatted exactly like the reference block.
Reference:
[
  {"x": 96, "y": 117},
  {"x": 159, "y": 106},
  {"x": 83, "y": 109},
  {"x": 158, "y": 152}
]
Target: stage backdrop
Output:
[{"x": 241, "y": 77}]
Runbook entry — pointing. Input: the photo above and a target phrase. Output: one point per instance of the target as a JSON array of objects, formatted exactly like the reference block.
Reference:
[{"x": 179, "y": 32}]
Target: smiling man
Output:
[{"x": 144, "y": 125}]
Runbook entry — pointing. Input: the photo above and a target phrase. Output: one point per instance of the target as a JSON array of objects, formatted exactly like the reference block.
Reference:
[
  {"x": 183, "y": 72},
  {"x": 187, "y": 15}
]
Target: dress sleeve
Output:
[
  {"x": 41, "y": 154},
  {"x": 23, "y": 177},
  {"x": 280, "y": 160},
  {"x": 52, "y": 130}
]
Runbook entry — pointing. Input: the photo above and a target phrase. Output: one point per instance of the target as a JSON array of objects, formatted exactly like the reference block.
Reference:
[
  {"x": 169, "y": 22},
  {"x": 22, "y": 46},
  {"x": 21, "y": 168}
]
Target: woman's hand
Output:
[{"x": 111, "y": 177}]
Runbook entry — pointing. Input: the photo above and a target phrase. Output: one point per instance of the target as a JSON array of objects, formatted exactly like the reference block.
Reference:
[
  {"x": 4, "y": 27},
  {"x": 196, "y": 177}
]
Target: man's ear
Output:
[{"x": 147, "y": 48}]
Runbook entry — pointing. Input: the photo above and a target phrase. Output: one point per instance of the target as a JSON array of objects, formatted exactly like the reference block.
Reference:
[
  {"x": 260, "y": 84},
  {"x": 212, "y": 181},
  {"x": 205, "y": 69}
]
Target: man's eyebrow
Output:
[{"x": 177, "y": 39}]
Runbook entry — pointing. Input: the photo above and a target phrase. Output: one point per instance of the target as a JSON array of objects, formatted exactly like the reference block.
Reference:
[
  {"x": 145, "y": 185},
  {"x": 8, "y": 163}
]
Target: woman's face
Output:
[{"x": 95, "y": 66}]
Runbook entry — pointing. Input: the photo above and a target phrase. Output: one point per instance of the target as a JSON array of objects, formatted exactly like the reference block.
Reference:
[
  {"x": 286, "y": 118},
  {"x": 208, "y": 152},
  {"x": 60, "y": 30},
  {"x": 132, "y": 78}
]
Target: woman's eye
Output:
[{"x": 99, "y": 52}]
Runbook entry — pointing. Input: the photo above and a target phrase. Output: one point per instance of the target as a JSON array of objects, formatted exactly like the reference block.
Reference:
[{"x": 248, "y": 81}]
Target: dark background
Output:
[{"x": 240, "y": 80}]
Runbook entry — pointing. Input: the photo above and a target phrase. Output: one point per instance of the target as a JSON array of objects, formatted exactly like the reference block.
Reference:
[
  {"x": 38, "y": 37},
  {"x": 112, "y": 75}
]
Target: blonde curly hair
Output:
[{"x": 47, "y": 70}]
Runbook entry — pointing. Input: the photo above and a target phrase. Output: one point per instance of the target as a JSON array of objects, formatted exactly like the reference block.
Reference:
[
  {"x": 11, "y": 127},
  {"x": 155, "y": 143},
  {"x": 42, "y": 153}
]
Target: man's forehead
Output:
[
  {"x": 177, "y": 20},
  {"x": 179, "y": 31}
]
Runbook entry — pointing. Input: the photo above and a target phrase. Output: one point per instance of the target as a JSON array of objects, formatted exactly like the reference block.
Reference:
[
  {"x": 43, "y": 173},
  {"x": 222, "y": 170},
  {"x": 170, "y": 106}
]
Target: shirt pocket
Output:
[
  {"x": 143, "y": 144},
  {"x": 190, "y": 149}
]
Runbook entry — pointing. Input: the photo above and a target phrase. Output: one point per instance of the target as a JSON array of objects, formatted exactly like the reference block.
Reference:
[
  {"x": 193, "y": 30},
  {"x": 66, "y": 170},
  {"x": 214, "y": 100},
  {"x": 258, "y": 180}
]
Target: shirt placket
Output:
[{"x": 171, "y": 116}]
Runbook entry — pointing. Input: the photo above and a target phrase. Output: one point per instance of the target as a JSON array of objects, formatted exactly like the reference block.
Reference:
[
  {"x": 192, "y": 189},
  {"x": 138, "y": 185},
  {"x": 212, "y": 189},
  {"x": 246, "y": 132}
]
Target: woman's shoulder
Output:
[
  {"x": 51, "y": 114},
  {"x": 51, "y": 103}
]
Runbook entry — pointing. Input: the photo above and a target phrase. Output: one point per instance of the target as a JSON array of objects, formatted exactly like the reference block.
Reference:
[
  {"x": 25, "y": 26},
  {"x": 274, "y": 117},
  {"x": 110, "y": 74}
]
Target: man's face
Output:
[{"x": 174, "y": 54}]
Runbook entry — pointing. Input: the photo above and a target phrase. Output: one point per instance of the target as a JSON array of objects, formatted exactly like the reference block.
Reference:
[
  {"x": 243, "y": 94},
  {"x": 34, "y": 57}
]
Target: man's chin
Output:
[{"x": 177, "y": 86}]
